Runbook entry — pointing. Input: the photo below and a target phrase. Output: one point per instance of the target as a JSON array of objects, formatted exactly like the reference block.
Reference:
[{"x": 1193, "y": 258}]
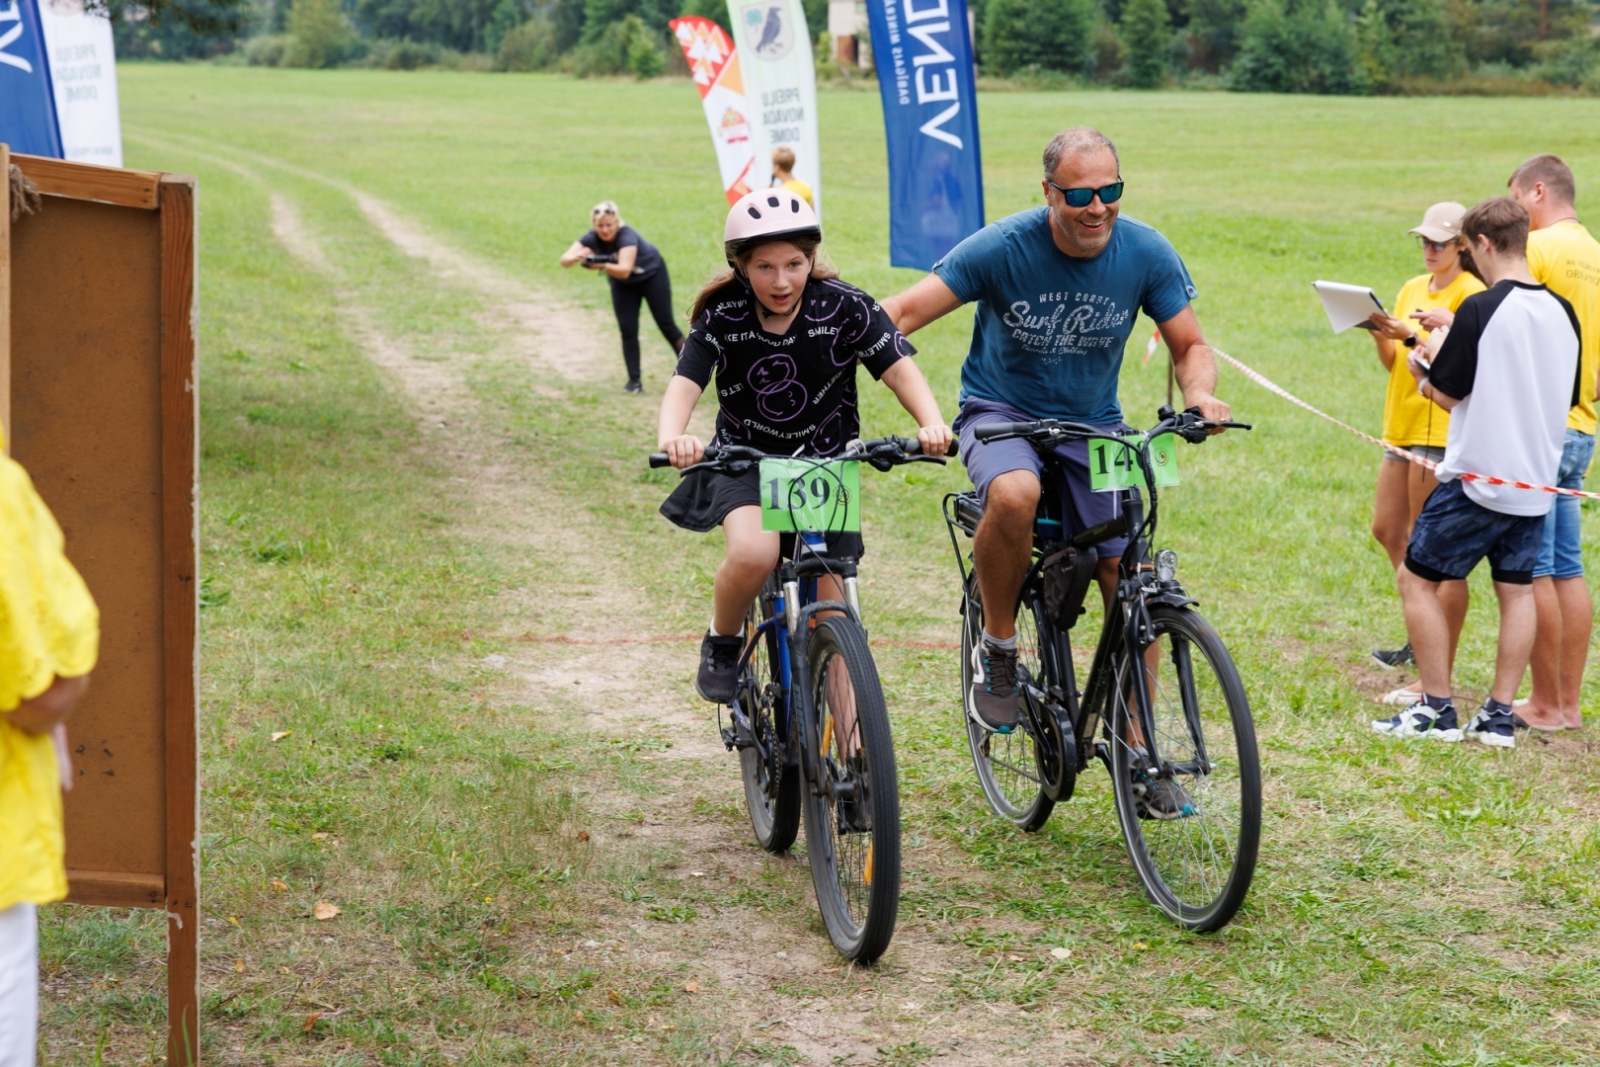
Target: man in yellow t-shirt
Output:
[
  {"x": 49, "y": 638},
  {"x": 783, "y": 174},
  {"x": 1563, "y": 256}
]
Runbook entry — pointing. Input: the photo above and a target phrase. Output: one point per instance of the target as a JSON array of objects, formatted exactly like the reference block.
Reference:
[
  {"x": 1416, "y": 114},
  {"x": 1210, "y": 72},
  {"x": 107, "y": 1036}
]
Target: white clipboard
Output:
[{"x": 1347, "y": 305}]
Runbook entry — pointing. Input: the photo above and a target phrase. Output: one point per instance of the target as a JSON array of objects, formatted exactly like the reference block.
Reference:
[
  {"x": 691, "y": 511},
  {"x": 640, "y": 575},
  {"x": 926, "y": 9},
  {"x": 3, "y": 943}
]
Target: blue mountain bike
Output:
[{"x": 809, "y": 720}]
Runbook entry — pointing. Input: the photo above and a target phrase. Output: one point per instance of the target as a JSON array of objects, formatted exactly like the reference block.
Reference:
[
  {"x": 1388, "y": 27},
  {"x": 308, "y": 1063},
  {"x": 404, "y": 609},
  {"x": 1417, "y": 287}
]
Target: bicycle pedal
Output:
[{"x": 730, "y": 738}]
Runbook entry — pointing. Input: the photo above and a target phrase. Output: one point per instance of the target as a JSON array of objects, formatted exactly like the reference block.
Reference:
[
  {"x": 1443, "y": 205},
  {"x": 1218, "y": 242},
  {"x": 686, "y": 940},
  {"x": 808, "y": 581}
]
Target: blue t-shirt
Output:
[{"x": 1049, "y": 330}]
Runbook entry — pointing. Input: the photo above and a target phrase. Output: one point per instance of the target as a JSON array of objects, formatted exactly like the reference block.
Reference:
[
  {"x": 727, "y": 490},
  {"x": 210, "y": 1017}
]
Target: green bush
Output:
[
  {"x": 1048, "y": 34},
  {"x": 1146, "y": 33},
  {"x": 534, "y": 45},
  {"x": 321, "y": 35},
  {"x": 626, "y": 47},
  {"x": 1309, "y": 48},
  {"x": 267, "y": 50}
]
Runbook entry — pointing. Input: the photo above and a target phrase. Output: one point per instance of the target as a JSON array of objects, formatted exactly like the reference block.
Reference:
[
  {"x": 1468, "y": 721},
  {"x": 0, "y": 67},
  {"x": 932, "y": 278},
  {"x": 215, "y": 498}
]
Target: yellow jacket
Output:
[{"x": 49, "y": 628}]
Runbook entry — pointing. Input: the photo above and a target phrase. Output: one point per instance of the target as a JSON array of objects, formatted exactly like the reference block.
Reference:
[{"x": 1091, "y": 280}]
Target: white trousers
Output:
[{"x": 19, "y": 985}]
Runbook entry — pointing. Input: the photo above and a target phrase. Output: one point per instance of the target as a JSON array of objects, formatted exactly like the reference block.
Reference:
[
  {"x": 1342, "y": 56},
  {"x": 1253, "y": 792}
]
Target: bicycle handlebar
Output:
[
  {"x": 880, "y": 452},
  {"x": 1187, "y": 424}
]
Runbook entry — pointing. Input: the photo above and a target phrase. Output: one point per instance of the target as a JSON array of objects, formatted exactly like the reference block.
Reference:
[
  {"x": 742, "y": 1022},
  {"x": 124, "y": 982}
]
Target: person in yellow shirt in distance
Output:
[
  {"x": 49, "y": 639},
  {"x": 783, "y": 174},
  {"x": 1410, "y": 421}
]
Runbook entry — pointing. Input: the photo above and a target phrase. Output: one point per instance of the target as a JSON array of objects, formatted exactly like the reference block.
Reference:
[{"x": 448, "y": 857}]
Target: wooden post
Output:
[{"x": 180, "y": 464}]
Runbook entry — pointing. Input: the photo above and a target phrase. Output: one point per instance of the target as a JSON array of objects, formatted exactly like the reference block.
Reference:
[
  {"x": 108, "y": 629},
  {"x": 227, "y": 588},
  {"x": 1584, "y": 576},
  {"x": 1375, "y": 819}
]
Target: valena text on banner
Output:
[
  {"x": 714, "y": 63},
  {"x": 781, "y": 77},
  {"x": 27, "y": 104},
  {"x": 923, "y": 53},
  {"x": 58, "y": 82},
  {"x": 83, "y": 73}
]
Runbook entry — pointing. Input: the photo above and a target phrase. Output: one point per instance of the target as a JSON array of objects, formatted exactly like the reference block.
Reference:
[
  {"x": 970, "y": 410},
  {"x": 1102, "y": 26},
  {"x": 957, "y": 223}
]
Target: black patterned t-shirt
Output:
[{"x": 794, "y": 391}]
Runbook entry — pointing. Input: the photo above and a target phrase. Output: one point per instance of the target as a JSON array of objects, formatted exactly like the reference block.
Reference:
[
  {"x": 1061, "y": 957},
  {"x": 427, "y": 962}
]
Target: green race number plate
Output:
[
  {"x": 1113, "y": 466},
  {"x": 810, "y": 494}
]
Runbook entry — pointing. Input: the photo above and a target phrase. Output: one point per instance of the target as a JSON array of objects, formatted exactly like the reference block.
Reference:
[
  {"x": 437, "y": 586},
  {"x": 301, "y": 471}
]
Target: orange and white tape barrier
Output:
[{"x": 1487, "y": 479}]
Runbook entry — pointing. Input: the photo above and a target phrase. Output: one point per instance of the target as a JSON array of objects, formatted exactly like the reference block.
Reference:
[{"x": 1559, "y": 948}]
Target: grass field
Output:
[{"x": 539, "y": 850}]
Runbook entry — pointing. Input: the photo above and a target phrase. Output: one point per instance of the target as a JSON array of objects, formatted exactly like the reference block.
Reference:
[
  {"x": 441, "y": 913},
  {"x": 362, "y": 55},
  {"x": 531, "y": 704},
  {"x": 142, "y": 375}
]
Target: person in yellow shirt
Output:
[
  {"x": 1410, "y": 421},
  {"x": 783, "y": 174},
  {"x": 1565, "y": 258},
  {"x": 49, "y": 639}
]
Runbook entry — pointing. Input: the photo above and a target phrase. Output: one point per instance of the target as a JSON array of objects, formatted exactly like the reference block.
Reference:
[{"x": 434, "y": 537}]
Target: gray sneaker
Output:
[
  {"x": 1160, "y": 798},
  {"x": 992, "y": 704}
]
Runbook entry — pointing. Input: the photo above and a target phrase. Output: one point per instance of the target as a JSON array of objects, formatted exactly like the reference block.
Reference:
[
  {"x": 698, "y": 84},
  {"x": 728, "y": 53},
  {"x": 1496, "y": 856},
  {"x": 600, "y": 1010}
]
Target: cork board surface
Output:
[{"x": 87, "y": 424}]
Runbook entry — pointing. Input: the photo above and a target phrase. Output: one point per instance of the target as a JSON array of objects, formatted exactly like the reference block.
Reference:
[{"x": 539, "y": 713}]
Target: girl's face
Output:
[
  {"x": 1441, "y": 259},
  {"x": 606, "y": 226},
  {"x": 778, "y": 273}
]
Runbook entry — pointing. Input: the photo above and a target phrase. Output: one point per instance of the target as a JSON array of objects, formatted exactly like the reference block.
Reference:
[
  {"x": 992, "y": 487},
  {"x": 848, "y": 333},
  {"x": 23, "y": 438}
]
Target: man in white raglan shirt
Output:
[{"x": 1507, "y": 371}]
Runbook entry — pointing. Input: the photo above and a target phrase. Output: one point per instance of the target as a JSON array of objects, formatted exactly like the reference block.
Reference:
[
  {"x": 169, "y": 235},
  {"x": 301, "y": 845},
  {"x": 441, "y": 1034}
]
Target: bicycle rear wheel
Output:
[
  {"x": 1196, "y": 867},
  {"x": 771, "y": 788},
  {"x": 1007, "y": 764},
  {"x": 853, "y": 815}
]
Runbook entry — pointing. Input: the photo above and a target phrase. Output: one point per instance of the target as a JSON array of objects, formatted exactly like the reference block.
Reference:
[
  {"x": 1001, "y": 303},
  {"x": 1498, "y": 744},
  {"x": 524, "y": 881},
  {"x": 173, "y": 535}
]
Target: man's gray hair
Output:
[{"x": 1077, "y": 139}]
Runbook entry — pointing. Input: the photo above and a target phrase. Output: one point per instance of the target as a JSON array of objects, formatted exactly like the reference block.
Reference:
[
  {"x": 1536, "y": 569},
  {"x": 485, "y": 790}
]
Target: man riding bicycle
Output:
[{"x": 1057, "y": 290}]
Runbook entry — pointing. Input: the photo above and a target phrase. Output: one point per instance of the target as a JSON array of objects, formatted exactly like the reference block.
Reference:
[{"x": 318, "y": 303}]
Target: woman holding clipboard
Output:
[{"x": 1411, "y": 421}]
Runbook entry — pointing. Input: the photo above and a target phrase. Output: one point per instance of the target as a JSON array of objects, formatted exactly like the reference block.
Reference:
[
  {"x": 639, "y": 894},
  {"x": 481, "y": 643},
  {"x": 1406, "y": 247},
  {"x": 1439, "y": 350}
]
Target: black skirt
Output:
[{"x": 704, "y": 498}]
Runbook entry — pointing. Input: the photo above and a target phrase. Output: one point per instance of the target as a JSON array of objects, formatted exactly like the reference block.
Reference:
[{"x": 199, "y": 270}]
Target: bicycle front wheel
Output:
[
  {"x": 853, "y": 814},
  {"x": 771, "y": 784},
  {"x": 1007, "y": 764},
  {"x": 1192, "y": 822}
]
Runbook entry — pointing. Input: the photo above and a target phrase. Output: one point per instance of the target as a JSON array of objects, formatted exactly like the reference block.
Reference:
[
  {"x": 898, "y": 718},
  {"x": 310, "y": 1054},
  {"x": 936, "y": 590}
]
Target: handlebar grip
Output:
[
  {"x": 954, "y": 450},
  {"x": 913, "y": 447},
  {"x": 660, "y": 459},
  {"x": 1002, "y": 429}
]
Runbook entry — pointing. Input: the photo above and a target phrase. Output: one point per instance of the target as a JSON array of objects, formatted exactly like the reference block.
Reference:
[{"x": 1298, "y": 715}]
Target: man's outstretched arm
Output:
[
  {"x": 919, "y": 305},
  {"x": 1193, "y": 365}
]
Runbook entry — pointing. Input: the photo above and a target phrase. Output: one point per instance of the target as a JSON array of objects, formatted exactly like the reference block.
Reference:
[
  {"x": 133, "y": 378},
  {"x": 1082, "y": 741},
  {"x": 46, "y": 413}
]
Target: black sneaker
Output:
[
  {"x": 633, "y": 387},
  {"x": 1492, "y": 727},
  {"x": 992, "y": 704},
  {"x": 1400, "y": 657},
  {"x": 1160, "y": 798},
  {"x": 719, "y": 668}
]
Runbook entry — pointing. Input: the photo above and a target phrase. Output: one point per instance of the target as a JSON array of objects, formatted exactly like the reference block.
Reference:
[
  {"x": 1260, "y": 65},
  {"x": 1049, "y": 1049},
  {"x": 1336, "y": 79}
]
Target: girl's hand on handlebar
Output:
[
  {"x": 685, "y": 450},
  {"x": 935, "y": 440}
]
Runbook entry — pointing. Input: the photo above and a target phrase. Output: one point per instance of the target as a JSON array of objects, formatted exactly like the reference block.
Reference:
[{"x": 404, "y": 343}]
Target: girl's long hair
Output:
[{"x": 821, "y": 270}]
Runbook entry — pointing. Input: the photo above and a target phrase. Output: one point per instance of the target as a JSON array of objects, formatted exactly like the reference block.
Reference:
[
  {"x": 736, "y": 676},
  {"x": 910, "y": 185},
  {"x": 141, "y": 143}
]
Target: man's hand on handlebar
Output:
[
  {"x": 935, "y": 440},
  {"x": 685, "y": 450},
  {"x": 1211, "y": 409}
]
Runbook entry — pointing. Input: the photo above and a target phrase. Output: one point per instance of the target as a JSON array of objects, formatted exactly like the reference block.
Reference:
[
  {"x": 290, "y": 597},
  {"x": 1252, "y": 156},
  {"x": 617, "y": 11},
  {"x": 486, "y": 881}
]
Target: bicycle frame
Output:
[
  {"x": 1079, "y": 715},
  {"x": 789, "y": 614}
]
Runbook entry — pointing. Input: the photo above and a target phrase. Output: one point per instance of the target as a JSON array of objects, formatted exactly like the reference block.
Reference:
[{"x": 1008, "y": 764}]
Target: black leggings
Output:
[{"x": 657, "y": 290}]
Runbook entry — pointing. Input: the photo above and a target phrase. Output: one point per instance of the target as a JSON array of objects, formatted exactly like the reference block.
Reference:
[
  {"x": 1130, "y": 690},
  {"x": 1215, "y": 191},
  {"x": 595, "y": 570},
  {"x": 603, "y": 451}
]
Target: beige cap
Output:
[{"x": 1441, "y": 222}]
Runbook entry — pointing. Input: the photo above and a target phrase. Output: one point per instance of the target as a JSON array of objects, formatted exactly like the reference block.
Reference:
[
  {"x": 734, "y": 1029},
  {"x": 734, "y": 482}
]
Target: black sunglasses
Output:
[
  {"x": 1108, "y": 194},
  {"x": 1437, "y": 246}
]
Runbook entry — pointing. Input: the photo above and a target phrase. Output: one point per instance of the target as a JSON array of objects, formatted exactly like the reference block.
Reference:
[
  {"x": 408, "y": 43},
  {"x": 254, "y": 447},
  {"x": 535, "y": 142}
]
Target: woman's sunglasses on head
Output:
[{"x": 1108, "y": 194}]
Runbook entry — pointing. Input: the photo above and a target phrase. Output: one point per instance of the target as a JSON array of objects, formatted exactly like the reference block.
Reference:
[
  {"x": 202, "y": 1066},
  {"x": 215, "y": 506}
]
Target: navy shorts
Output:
[
  {"x": 1454, "y": 532},
  {"x": 1081, "y": 507}
]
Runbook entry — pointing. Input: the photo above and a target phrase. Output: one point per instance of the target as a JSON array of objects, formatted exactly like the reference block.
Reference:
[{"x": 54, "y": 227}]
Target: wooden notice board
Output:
[{"x": 101, "y": 402}]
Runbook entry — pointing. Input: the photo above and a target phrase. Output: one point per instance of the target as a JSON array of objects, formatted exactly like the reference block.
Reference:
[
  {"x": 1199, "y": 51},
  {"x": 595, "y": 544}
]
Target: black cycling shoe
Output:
[
  {"x": 633, "y": 387},
  {"x": 1400, "y": 657},
  {"x": 992, "y": 704},
  {"x": 718, "y": 678}
]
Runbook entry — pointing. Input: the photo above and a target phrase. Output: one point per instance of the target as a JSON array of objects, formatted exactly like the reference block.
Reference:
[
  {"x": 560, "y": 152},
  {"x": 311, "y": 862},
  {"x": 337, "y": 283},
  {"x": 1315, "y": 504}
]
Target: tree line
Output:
[{"x": 1305, "y": 46}]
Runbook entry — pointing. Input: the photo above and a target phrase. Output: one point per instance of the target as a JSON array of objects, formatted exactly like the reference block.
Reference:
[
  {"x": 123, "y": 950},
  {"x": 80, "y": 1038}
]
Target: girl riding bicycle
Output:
[{"x": 782, "y": 335}]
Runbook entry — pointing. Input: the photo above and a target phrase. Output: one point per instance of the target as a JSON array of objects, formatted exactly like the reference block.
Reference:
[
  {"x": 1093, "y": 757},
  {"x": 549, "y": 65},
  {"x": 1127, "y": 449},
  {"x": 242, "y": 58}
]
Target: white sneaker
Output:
[
  {"x": 1419, "y": 720},
  {"x": 1401, "y": 698}
]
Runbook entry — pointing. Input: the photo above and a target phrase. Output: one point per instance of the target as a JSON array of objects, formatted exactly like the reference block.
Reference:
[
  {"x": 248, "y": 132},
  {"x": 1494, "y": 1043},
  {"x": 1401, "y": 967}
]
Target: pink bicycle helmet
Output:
[{"x": 767, "y": 215}]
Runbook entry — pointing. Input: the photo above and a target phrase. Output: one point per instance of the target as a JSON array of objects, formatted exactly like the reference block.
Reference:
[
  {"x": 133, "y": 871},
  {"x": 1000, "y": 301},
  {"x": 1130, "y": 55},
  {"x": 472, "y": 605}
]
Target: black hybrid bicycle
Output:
[
  {"x": 1162, "y": 693},
  {"x": 809, "y": 720}
]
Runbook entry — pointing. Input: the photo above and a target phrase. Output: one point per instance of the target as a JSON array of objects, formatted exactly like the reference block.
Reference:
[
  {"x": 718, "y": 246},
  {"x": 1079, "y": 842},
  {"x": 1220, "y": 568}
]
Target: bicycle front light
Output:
[{"x": 1166, "y": 564}]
